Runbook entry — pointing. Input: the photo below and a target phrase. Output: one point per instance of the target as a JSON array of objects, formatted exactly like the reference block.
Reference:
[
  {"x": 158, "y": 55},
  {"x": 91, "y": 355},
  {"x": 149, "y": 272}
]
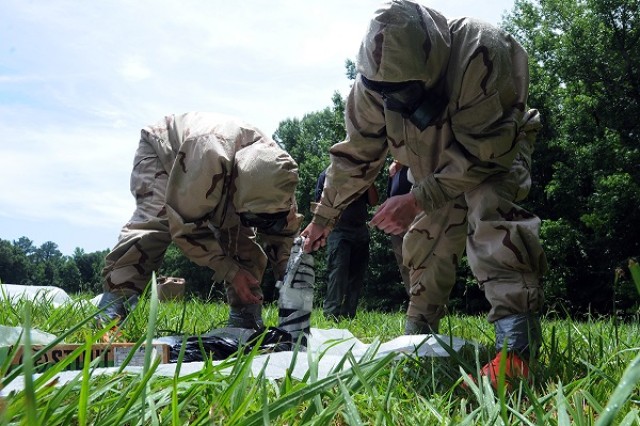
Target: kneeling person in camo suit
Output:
[{"x": 207, "y": 182}]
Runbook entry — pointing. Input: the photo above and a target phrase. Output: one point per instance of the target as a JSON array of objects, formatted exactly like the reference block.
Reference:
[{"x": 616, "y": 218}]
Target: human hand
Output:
[
  {"x": 243, "y": 284},
  {"x": 315, "y": 237},
  {"x": 394, "y": 167},
  {"x": 396, "y": 214}
]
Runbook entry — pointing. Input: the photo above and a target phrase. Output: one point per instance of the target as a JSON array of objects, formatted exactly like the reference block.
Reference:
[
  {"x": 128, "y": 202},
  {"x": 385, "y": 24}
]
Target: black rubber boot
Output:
[
  {"x": 249, "y": 316},
  {"x": 521, "y": 333}
]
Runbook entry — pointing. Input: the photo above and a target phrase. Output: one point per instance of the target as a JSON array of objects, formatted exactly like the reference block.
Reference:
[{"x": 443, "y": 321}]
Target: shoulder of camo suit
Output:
[
  {"x": 222, "y": 166},
  {"x": 477, "y": 135}
]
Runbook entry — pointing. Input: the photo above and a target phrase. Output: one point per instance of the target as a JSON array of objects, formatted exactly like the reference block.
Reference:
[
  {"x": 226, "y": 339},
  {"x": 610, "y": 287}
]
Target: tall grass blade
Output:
[
  {"x": 621, "y": 394},
  {"x": 294, "y": 399},
  {"x": 635, "y": 273},
  {"x": 631, "y": 418},
  {"x": 561, "y": 402},
  {"x": 85, "y": 388},
  {"x": 151, "y": 329},
  {"x": 351, "y": 411},
  {"x": 175, "y": 413},
  {"x": 31, "y": 406}
]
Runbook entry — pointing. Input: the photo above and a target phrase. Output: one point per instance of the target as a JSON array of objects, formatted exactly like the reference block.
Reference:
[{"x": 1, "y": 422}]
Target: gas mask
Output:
[
  {"x": 410, "y": 99},
  {"x": 269, "y": 223}
]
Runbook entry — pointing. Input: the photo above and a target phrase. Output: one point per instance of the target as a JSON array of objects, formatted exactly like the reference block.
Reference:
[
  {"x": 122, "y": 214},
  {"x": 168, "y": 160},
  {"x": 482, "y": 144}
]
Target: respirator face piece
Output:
[
  {"x": 409, "y": 98},
  {"x": 269, "y": 223}
]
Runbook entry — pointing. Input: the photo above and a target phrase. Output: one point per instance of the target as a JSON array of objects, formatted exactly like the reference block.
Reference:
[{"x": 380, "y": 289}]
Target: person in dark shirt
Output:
[
  {"x": 399, "y": 184},
  {"x": 347, "y": 254}
]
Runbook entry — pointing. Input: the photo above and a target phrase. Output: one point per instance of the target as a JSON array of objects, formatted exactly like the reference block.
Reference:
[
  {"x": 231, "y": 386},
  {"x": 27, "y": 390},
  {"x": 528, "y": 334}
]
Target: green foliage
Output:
[
  {"x": 383, "y": 289},
  {"x": 351, "y": 72},
  {"x": 23, "y": 263},
  {"x": 308, "y": 141},
  {"x": 635, "y": 273},
  {"x": 14, "y": 264},
  {"x": 585, "y": 79},
  {"x": 562, "y": 243},
  {"x": 199, "y": 279},
  {"x": 89, "y": 266},
  {"x": 587, "y": 374}
]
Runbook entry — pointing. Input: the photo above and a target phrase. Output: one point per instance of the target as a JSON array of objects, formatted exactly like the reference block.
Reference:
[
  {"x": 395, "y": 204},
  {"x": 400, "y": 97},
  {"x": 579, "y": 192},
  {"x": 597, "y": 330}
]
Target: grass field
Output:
[{"x": 588, "y": 374}]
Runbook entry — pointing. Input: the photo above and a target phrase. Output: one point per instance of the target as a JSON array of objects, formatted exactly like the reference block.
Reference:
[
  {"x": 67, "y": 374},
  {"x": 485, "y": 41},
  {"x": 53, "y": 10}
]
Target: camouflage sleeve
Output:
[
  {"x": 193, "y": 193},
  {"x": 487, "y": 123},
  {"x": 356, "y": 161}
]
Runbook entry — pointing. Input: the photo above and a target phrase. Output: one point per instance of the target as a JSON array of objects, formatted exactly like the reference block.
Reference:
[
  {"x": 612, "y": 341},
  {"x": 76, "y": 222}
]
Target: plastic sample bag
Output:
[{"x": 225, "y": 342}]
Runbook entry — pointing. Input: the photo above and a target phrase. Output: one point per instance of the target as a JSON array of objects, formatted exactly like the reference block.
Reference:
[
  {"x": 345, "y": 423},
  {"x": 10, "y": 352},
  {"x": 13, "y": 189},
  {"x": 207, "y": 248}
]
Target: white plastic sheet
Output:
[
  {"x": 15, "y": 292},
  {"x": 9, "y": 336},
  {"x": 328, "y": 345}
]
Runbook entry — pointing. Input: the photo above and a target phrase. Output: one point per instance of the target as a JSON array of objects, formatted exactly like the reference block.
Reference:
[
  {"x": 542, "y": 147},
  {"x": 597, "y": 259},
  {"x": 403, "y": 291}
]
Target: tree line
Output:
[{"x": 585, "y": 80}]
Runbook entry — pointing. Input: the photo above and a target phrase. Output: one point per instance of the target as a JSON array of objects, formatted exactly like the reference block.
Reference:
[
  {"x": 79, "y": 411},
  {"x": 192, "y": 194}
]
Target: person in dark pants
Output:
[
  {"x": 347, "y": 254},
  {"x": 399, "y": 184}
]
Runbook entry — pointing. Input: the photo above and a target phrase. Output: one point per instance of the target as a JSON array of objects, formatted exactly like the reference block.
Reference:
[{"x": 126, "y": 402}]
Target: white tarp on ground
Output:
[
  {"x": 9, "y": 336},
  {"x": 14, "y": 292},
  {"x": 329, "y": 345}
]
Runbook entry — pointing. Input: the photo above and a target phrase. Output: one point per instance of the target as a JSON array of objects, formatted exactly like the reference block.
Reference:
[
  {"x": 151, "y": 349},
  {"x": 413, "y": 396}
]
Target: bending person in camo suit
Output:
[
  {"x": 206, "y": 182},
  {"x": 448, "y": 99}
]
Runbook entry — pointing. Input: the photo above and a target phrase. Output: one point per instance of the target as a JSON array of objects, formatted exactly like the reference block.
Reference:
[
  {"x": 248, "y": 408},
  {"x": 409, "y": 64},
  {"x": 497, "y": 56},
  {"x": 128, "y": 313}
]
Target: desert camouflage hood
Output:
[
  {"x": 405, "y": 41},
  {"x": 265, "y": 179}
]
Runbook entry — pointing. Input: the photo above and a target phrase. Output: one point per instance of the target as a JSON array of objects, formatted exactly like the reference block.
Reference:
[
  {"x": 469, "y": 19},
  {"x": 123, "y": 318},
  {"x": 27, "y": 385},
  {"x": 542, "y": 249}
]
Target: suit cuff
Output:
[
  {"x": 324, "y": 215},
  {"x": 226, "y": 271},
  {"x": 429, "y": 194}
]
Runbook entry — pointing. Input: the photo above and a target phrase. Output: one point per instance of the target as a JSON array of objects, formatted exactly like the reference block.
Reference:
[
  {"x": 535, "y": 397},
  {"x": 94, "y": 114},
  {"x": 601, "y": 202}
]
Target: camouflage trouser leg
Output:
[
  {"x": 503, "y": 248},
  {"x": 396, "y": 245},
  {"x": 278, "y": 249},
  {"x": 250, "y": 256},
  {"x": 145, "y": 238},
  {"x": 432, "y": 247}
]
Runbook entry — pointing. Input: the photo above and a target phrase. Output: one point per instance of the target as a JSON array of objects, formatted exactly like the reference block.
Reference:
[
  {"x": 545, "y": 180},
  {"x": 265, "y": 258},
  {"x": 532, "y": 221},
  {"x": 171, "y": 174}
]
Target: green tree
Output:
[
  {"x": 14, "y": 264},
  {"x": 585, "y": 68},
  {"x": 198, "y": 279},
  {"x": 68, "y": 275},
  {"x": 89, "y": 267},
  {"x": 22, "y": 263},
  {"x": 47, "y": 262},
  {"x": 308, "y": 141}
]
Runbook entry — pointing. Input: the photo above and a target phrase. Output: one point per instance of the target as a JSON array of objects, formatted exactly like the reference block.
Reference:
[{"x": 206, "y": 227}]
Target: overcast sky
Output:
[{"x": 78, "y": 79}]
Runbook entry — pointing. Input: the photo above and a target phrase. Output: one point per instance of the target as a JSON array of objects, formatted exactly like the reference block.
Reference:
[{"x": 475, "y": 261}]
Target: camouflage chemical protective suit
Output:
[
  {"x": 192, "y": 174},
  {"x": 470, "y": 164}
]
